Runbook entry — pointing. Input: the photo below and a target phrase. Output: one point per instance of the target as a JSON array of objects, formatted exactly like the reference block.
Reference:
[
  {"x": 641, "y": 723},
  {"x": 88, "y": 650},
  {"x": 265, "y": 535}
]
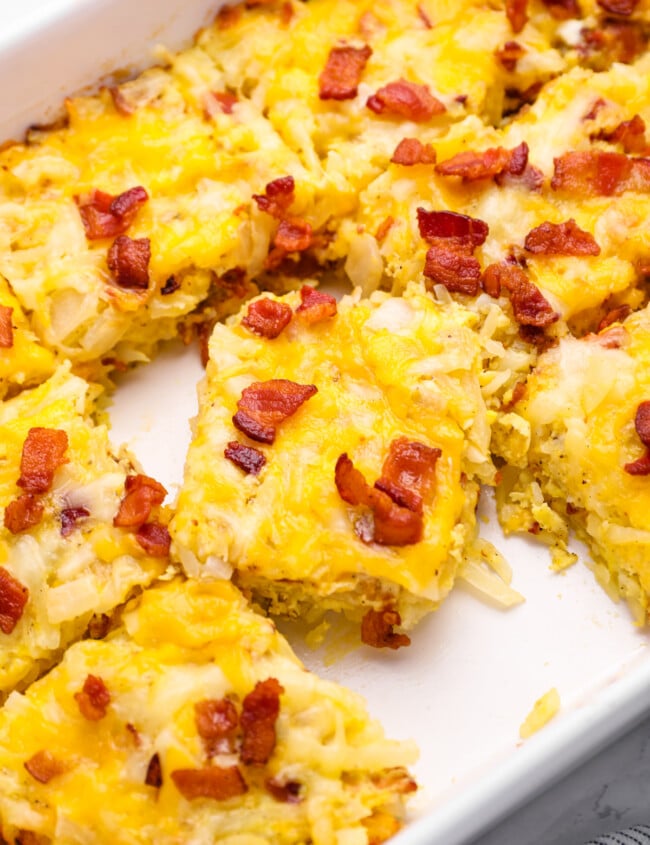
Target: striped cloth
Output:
[{"x": 637, "y": 835}]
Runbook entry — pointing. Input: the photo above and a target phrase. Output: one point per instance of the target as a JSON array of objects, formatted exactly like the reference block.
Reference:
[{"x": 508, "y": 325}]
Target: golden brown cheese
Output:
[{"x": 185, "y": 651}]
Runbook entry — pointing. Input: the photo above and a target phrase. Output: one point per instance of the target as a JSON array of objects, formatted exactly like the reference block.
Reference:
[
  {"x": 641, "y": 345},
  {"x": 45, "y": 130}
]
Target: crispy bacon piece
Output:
[
  {"x": 106, "y": 216},
  {"x": 561, "y": 239},
  {"x": 286, "y": 793},
  {"x": 384, "y": 228},
  {"x": 456, "y": 270},
  {"x": 509, "y": 55},
  {"x": 409, "y": 473},
  {"x": 471, "y": 166},
  {"x": 315, "y": 306},
  {"x": 393, "y": 525},
  {"x": 516, "y": 14},
  {"x": 13, "y": 598},
  {"x": 22, "y": 513},
  {"x": 44, "y": 766},
  {"x": 410, "y": 151},
  {"x": 154, "y": 772},
  {"x": 154, "y": 539},
  {"x": 216, "y": 723},
  {"x": 43, "y": 453},
  {"x": 618, "y": 7},
  {"x": 211, "y": 782},
  {"x": 219, "y": 102},
  {"x": 613, "y": 41},
  {"x": 377, "y": 629},
  {"x": 459, "y": 230},
  {"x": 339, "y": 79},
  {"x": 639, "y": 467},
  {"x": 265, "y": 404},
  {"x": 562, "y": 10},
  {"x": 616, "y": 315},
  {"x": 247, "y": 458},
  {"x": 6, "y": 327},
  {"x": 69, "y": 518},
  {"x": 642, "y": 422},
  {"x": 141, "y": 495},
  {"x": 260, "y": 710},
  {"x": 528, "y": 304},
  {"x": 93, "y": 698},
  {"x": 599, "y": 173},
  {"x": 128, "y": 260},
  {"x": 630, "y": 134},
  {"x": 228, "y": 16},
  {"x": 267, "y": 317},
  {"x": 294, "y": 235},
  {"x": 406, "y": 99},
  {"x": 171, "y": 286},
  {"x": 278, "y": 196}
]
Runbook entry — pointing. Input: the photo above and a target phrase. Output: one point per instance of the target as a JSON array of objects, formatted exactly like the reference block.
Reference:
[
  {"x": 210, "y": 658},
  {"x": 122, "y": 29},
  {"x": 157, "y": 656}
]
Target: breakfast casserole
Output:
[
  {"x": 337, "y": 455},
  {"x": 194, "y": 722},
  {"x": 81, "y": 529}
]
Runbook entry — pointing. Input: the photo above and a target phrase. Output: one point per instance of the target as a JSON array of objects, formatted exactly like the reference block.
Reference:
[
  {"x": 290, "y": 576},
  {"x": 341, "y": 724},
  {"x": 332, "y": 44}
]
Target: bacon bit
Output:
[
  {"x": 616, "y": 315},
  {"x": 562, "y": 10},
  {"x": 227, "y": 17},
  {"x": 154, "y": 539},
  {"x": 424, "y": 17},
  {"x": 293, "y": 235},
  {"x": 528, "y": 304},
  {"x": 6, "y": 327},
  {"x": 639, "y": 467},
  {"x": 612, "y": 338},
  {"x": 457, "y": 271},
  {"x": 614, "y": 41},
  {"x": 211, "y": 782},
  {"x": 44, "y": 766},
  {"x": 286, "y": 793},
  {"x": 377, "y": 629},
  {"x": 535, "y": 528},
  {"x": 248, "y": 458},
  {"x": 128, "y": 261},
  {"x": 393, "y": 525},
  {"x": 260, "y": 710},
  {"x": 43, "y": 453},
  {"x": 170, "y": 286},
  {"x": 471, "y": 166},
  {"x": 339, "y": 79},
  {"x": 13, "y": 598},
  {"x": 93, "y": 699},
  {"x": 593, "y": 111},
  {"x": 154, "y": 772},
  {"x": 106, "y": 216},
  {"x": 409, "y": 473},
  {"x": 219, "y": 102},
  {"x": 599, "y": 173},
  {"x": 491, "y": 281},
  {"x": 630, "y": 134},
  {"x": 27, "y": 837},
  {"x": 410, "y": 152},
  {"x": 384, "y": 228},
  {"x": 264, "y": 405},
  {"x": 459, "y": 230},
  {"x": 406, "y": 99},
  {"x": 509, "y": 55},
  {"x": 134, "y": 734},
  {"x": 286, "y": 14},
  {"x": 216, "y": 722},
  {"x": 278, "y": 196},
  {"x": 24, "y": 512},
  {"x": 69, "y": 518},
  {"x": 315, "y": 306},
  {"x": 532, "y": 178},
  {"x": 642, "y": 422},
  {"x": 204, "y": 333},
  {"x": 561, "y": 239},
  {"x": 267, "y": 317},
  {"x": 516, "y": 14},
  {"x": 122, "y": 104},
  {"x": 142, "y": 494},
  {"x": 618, "y": 7}
]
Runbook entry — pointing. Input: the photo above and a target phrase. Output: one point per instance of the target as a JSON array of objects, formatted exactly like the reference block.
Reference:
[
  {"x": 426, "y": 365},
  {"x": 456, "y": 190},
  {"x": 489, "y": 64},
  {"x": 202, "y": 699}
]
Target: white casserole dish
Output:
[{"x": 472, "y": 672}]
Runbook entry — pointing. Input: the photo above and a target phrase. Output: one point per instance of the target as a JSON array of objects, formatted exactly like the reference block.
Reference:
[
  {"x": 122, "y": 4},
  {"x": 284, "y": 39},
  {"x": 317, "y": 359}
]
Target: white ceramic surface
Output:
[{"x": 472, "y": 672}]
